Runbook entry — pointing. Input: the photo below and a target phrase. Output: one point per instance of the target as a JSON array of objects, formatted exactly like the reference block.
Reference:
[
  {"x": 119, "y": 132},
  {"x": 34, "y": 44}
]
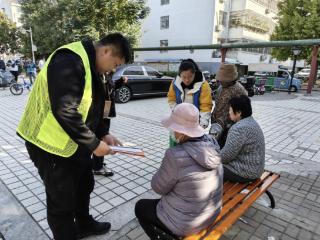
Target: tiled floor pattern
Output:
[{"x": 290, "y": 126}]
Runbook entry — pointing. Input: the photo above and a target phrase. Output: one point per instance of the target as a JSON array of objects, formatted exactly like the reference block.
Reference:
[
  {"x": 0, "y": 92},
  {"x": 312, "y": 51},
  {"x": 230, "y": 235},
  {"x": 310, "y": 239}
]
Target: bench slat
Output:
[
  {"x": 240, "y": 186},
  {"x": 227, "y": 186},
  {"x": 236, "y": 214},
  {"x": 229, "y": 205}
]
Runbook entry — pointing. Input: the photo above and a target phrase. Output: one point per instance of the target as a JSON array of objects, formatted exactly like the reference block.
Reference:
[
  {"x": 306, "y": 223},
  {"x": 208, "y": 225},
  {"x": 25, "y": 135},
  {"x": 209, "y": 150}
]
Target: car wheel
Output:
[
  {"x": 293, "y": 89},
  {"x": 123, "y": 94}
]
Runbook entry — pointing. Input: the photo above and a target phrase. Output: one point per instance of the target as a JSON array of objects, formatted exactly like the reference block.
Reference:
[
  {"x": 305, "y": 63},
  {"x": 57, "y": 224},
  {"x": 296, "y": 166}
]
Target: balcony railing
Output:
[
  {"x": 269, "y": 4},
  {"x": 252, "y": 21}
]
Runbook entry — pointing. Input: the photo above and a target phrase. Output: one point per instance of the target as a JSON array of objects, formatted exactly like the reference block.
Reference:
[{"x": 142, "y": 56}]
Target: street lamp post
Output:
[
  {"x": 296, "y": 51},
  {"x": 32, "y": 47}
]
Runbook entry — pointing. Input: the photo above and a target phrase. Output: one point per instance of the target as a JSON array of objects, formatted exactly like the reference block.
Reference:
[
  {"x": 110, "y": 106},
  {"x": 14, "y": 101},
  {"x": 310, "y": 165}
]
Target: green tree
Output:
[
  {"x": 297, "y": 19},
  {"x": 58, "y": 22},
  {"x": 9, "y": 35}
]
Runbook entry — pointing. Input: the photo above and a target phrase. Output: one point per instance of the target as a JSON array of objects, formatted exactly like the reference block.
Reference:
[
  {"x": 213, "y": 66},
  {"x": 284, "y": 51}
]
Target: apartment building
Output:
[
  {"x": 12, "y": 9},
  {"x": 202, "y": 22}
]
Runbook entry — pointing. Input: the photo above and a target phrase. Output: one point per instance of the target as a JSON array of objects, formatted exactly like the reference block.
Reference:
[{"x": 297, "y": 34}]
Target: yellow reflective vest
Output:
[{"x": 38, "y": 125}]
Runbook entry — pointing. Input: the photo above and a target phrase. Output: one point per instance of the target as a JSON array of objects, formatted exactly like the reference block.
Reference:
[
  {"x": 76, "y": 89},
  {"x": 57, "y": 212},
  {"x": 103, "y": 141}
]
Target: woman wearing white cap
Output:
[{"x": 189, "y": 180}]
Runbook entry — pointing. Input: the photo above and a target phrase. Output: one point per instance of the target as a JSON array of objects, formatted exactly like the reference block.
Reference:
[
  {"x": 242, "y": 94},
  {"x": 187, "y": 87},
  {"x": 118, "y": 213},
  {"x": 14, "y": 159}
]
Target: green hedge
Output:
[{"x": 170, "y": 73}]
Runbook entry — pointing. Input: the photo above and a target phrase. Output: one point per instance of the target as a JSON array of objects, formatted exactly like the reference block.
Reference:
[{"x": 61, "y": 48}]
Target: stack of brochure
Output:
[{"x": 128, "y": 150}]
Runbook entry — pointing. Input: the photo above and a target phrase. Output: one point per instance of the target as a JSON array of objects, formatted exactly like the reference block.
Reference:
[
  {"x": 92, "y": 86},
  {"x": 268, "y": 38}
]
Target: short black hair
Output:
[
  {"x": 241, "y": 104},
  {"x": 120, "y": 43},
  {"x": 188, "y": 64}
]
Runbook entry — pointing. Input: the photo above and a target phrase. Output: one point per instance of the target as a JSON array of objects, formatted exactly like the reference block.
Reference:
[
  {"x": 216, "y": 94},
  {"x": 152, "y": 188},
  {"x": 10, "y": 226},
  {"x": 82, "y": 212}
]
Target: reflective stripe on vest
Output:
[{"x": 38, "y": 125}]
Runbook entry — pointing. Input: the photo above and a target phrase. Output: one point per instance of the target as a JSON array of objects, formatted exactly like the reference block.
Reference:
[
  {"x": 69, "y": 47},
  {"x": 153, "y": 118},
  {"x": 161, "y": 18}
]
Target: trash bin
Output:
[{"x": 269, "y": 84}]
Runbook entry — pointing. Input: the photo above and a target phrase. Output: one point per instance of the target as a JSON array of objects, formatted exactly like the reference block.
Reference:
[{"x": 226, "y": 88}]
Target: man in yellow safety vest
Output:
[{"x": 62, "y": 126}]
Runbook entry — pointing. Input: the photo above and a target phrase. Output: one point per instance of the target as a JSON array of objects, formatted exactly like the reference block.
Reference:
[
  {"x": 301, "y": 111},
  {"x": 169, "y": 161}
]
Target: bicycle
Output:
[{"x": 17, "y": 88}]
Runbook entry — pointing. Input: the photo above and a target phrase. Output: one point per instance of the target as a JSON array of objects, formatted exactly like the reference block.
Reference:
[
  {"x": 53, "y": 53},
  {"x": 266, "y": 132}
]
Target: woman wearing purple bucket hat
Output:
[{"x": 189, "y": 180}]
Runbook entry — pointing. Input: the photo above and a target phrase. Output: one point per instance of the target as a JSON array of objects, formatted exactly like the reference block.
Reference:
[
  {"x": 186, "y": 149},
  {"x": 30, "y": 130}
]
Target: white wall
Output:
[
  {"x": 190, "y": 23},
  {"x": 197, "y": 55},
  {"x": 238, "y": 5},
  {"x": 12, "y": 10}
]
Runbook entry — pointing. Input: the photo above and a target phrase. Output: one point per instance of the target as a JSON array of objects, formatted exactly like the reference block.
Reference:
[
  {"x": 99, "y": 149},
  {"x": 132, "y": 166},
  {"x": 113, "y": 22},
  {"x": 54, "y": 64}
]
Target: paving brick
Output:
[
  {"x": 116, "y": 201},
  {"x": 135, "y": 233},
  {"x": 305, "y": 235},
  {"x": 20, "y": 190},
  {"x": 277, "y": 221},
  {"x": 128, "y": 195},
  {"x": 259, "y": 216},
  {"x": 119, "y": 190},
  {"x": 254, "y": 238},
  {"x": 38, "y": 216},
  {"x": 246, "y": 226},
  {"x": 24, "y": 195},
  {"x": 274, "y": 235},
  {"x": 124, "y": 238},
  {"x": 143, "y": 237},
  {"x": 305, "y": 223},
  {"x": 242, "y": 235},
  {"x": 30, "y": 201},
  {"x": 286, "y": 237},
  {"x": 104, "y": 207},
  {"x": 273, "y": 225},
  {"x": 292, "y": 230},
  {"x": 108, "y": 195},
  {"x": 36, "y": 207},
  {"x": 96, "y": 201}
]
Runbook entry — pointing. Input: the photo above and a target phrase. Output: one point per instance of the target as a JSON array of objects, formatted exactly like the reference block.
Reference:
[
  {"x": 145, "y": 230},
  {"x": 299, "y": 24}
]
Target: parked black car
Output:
[{"x": 142, "y": 81}]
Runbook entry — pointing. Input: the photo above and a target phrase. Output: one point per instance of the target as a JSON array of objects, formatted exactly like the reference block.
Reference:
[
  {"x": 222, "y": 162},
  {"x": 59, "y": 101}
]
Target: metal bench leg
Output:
[{"x": 272, "y": 201}]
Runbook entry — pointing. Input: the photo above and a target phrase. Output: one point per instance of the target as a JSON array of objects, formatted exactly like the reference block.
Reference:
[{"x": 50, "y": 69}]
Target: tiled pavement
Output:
[{"x": 290, "y": 124}]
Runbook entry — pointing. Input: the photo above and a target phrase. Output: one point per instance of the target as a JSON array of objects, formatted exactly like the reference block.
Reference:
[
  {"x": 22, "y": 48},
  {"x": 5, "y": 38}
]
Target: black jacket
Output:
[{"x": 66, "y": 80}]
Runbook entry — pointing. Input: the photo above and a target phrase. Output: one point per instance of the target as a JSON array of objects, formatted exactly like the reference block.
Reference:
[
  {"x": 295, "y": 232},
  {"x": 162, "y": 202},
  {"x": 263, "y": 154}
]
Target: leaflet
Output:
[{"x": 128, "y": 150}]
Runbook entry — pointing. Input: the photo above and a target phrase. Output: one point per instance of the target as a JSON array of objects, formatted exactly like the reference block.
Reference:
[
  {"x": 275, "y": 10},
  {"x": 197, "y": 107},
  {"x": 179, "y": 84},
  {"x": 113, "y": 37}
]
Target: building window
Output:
[
  {"x": 164, "y": 22},
  {"x": 165, "y": 2},
  {"x": 3, "y": 10},
  {"x": 223, "y": 18},
  {"x": 164, "y": 43}
]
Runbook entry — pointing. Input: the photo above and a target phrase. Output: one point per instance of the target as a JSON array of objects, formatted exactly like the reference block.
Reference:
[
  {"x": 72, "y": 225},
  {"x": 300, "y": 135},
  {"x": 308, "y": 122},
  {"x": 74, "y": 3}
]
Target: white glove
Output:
[{"x": 216, "y": 130}]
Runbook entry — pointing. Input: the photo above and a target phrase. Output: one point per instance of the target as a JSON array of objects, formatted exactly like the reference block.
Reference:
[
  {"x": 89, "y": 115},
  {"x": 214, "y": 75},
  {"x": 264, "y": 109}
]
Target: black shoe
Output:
[
  {"x": 103, "y": 171},
  {"x": 92, "y": 227}
]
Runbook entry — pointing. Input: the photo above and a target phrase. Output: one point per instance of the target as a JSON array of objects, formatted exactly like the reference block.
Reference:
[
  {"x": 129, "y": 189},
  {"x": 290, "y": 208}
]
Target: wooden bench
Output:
[{"x": 237, "y": 198}]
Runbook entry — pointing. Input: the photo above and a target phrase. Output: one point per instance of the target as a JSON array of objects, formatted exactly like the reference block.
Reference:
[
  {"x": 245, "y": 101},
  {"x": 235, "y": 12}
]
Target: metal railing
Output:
[{"x": 315, "y": 43}]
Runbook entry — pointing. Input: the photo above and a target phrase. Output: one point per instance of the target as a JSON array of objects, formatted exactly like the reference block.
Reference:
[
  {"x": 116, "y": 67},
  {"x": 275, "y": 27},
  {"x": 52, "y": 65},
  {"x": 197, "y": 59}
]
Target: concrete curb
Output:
[{"x": 15, "y": 222}]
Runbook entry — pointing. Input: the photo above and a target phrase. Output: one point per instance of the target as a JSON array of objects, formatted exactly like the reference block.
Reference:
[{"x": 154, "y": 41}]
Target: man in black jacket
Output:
[{"x": 69, "y": 180}]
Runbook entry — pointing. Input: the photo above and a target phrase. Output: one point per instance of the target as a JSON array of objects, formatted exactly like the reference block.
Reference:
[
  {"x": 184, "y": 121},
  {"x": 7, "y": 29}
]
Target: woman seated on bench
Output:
[
  {"x": 189, "y": 180},
  {"x": 243, "y": 155}
]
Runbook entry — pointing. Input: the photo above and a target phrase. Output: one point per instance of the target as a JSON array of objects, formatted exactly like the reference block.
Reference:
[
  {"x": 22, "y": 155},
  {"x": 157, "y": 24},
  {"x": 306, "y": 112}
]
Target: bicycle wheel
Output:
[{"x": 16, "y": 89}]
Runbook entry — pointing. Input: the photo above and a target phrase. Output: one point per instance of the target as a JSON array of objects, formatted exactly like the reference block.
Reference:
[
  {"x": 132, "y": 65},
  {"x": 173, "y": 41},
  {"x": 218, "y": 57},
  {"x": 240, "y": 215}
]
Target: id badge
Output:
[{"x": 107, "y": 107}]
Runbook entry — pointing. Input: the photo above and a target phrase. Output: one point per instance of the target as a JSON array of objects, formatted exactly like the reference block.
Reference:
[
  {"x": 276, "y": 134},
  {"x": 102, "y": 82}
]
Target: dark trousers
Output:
[
  {"x": 31, "y": 77},
  {"x": 15, "y": 74},
  {"x": 97, "y": 162},
  {"x": 146, "y": 214},
  {"x": 223, "y": 138},
  {"x": 68, "y": 183},
  {"x": 232, "y": 177}
]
